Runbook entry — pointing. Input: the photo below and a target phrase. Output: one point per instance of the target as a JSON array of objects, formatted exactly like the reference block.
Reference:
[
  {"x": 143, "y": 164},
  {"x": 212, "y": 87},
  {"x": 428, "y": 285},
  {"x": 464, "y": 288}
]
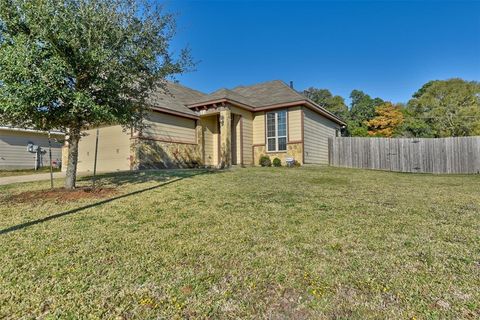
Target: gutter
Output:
[
  {"x": 173, "y": 112},
  {"x": 30, "y": 130}
]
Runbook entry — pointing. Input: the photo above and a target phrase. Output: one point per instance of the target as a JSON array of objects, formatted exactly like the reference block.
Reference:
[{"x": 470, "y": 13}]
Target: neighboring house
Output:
[
  {"x": 14, "y": 153},
  {"x": 187, "y": 128}
]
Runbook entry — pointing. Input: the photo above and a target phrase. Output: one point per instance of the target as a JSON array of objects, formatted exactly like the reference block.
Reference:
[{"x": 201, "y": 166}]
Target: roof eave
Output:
[
  {"x": 175, "y": 113},
  {"x": 306, "y": 102},
  {"x": 326, "y": 113},
  {"x": 55, "y": 132},
  {"x": 309, "y": 104},
  {"x": 221, "y": 101}
]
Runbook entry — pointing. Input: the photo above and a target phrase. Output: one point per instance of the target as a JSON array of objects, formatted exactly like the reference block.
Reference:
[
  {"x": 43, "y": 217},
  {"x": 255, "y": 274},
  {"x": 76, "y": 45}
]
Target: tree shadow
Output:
[
  {"x": 164, "y": 177},
  {"x": 162, "y": 155},
  {"x": 117, "y": 179}
]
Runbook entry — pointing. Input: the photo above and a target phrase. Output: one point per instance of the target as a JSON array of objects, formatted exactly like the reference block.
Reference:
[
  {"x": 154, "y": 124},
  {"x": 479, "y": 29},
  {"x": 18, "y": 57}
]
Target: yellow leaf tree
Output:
[{"x": 388, "y": 118}]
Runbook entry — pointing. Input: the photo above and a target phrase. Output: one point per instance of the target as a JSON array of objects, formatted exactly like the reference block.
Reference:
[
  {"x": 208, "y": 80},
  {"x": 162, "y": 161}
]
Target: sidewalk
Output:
[{"x": 30, "y": 177}]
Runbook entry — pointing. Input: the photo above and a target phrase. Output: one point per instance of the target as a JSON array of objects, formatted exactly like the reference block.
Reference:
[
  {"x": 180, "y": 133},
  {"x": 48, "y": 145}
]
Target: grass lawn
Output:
[
  {"x": 22, "y": 172},
  {"x": 278, "y": 243}
]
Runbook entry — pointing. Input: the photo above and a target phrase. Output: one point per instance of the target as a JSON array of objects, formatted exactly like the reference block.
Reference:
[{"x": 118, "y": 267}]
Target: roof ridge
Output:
[
  {"x": 225, "y": 93},
  {"x": 257, "y": 84},
  {"x": 219, "y": 90}
]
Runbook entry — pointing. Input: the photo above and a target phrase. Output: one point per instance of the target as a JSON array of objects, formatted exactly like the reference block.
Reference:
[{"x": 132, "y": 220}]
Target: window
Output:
[{"x": 277, "y": 131}]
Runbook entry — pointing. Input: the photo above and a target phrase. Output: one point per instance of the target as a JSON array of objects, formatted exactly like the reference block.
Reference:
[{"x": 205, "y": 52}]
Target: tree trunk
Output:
[{"x": 71, "y": 174}]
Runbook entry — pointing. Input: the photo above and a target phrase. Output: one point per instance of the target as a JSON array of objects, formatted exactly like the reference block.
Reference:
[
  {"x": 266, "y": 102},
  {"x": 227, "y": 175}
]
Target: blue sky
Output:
[{"x": 385, "y": 48}]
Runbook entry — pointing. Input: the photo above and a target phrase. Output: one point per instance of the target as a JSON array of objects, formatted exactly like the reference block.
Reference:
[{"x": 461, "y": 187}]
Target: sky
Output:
[{"x": 387, "y": 49}]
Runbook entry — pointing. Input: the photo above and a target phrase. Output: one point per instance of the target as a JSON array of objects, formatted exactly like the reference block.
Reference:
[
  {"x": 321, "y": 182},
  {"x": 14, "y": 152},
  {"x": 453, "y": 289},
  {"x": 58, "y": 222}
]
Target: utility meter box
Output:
[
  {"x": 33, "y": 148},
  {"x": 290, "y": 162}
]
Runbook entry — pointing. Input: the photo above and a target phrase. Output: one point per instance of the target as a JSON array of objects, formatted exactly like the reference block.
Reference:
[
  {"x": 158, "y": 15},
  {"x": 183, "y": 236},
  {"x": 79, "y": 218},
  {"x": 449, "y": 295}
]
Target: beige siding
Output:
[
  {"x": 247, "y": 119},
  {"x": 258, "y": 127},
  {"x": 113, "y": 150},
  {"x": 210, "y": 136},
  {"x": 295, "y": 124},
  {"x": 317, "y": 130},
  {"x": 14, "y": 154},
  {"x": 167, "y": 127}
]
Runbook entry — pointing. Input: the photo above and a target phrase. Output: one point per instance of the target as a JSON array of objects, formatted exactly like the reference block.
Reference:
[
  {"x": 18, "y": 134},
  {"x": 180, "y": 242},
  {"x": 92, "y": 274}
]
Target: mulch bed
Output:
[{"x": 61, "y": 195}]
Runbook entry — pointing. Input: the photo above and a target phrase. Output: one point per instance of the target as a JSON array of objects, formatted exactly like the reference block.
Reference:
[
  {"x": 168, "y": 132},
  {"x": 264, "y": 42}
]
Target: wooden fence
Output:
[{"x": 434, "y": 155}]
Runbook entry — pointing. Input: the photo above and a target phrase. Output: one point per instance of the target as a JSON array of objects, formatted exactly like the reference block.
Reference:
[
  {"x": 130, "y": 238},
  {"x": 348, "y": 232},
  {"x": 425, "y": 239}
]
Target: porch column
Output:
[
  {"x": 225, "y": 136},
  {"x": 199, "y": 135}
]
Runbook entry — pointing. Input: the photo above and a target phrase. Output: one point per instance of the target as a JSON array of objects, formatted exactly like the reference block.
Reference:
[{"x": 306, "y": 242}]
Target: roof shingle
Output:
[
  {"x": 178, "y": 98},
  {"x": 226, "y": 94},
  {"x": 269, "y": 93},
  {"x": 174, "y": 97}
]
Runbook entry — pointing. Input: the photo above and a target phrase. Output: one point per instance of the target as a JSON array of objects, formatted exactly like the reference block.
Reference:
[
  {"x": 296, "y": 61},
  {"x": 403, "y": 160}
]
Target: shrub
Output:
[
  {"x": 265, "y": 161},
  {"x": 277, "y": 162}
]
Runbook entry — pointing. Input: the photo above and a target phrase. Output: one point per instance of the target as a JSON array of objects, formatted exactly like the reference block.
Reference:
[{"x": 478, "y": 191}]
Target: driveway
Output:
[{"x": 30, "y": 177}]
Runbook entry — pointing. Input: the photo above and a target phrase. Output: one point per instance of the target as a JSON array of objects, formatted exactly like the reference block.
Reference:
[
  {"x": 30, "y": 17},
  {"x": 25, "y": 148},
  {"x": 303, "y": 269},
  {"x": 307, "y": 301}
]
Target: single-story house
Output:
[
  {"x": 188, "y": 128},
  {"x": 28, "y": 149}
]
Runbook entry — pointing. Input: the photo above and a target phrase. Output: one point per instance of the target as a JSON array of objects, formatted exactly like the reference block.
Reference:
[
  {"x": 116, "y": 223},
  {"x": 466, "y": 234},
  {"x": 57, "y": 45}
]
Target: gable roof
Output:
[
  {"x": 262, "y": 96},
  {"x": 255, "y": 96},
  {"x": 226, "y": 94},
  {"x": 269, "y": 93},
  {"x": 181, "y": 100}
]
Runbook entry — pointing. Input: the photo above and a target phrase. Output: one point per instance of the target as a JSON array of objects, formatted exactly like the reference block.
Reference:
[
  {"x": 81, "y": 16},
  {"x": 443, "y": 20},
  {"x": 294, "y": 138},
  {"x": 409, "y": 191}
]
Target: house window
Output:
[{"x": 277, "y": 131}]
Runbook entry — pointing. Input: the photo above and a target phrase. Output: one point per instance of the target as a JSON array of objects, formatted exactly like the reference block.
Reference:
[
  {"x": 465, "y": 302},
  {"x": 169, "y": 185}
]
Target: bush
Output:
[
  {"x": 265, "y": 161},
  {"x": 277, "y": 162}
]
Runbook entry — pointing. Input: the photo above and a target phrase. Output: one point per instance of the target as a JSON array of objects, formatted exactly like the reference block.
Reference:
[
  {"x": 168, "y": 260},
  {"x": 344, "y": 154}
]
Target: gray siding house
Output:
[{"x": 14, "y": 152}]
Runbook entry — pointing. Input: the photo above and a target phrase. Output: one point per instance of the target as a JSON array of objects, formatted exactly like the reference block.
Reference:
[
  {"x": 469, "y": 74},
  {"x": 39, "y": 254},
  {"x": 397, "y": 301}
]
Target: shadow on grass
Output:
[{"x": 118, "y": 179}]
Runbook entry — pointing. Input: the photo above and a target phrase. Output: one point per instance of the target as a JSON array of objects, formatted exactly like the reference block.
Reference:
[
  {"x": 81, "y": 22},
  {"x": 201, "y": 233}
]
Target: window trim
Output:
[{"x": 276, "y": 137}]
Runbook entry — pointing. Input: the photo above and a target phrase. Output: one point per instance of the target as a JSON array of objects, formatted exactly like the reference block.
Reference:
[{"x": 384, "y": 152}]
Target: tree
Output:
[
  {"x": 362, "y": 107},
  {"x": 388, "y": 119},
  {"x": 354, "y": 129},
  {"x": 325, "y": 99},
  {"x": 450, "y": 107},
  {"x": 71, "y": 64},
  {"x": 413, "y": 127}
]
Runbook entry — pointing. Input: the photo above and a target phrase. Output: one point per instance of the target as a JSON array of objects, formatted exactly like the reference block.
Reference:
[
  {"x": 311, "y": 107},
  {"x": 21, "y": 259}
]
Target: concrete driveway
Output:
[{"x": 30, "y": 177}]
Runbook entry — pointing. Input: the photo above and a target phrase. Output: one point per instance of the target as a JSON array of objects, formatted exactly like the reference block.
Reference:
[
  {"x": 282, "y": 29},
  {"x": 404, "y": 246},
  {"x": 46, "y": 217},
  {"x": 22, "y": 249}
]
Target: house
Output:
[
  {"x": 187, "y": 128},
  {"x": 18, "y": 151}
]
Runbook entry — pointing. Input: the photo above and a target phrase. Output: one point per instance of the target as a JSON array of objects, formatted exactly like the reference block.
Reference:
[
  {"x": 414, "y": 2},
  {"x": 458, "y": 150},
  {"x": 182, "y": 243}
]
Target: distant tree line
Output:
[{"x": 440, "y": 108}]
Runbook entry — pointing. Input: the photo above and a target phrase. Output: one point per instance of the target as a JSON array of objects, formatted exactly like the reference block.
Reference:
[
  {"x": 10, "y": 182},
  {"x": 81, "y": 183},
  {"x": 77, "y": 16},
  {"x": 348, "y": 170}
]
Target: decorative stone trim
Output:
[
  {"x": 294, "y": 150},
  {"x": 153, "y": 154}
]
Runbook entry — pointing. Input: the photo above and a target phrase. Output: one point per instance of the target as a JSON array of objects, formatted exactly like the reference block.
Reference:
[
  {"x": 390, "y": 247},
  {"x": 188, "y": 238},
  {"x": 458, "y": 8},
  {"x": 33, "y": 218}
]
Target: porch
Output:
[{"x": 222, "y": 133}]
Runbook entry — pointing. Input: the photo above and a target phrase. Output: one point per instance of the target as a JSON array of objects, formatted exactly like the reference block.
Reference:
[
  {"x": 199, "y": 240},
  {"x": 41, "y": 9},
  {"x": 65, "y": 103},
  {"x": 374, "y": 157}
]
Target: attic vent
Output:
[{"x": 291, "y": 84}]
